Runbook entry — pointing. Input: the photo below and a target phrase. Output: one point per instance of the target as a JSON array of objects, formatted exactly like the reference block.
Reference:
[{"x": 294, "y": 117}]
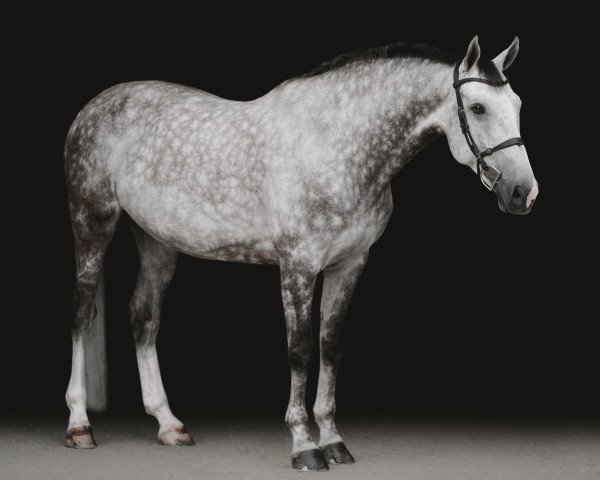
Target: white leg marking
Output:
[
  {"x": 76, "y": 395},
  {"x": 153, "y": 392}
]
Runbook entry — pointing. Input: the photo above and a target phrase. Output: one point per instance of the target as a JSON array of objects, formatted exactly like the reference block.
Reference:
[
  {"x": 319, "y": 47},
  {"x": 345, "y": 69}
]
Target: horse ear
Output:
[
  {"x": 507, "y": 57},
  {"x": 472, "y": 56}
]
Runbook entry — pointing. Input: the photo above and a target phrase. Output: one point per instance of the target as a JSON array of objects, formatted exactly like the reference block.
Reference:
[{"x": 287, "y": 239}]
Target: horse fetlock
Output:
[
  {"x": 323, "y": 413},
  {"x": 328, "y": 436},
  {"x": 156, "y": 408},
  {"x": 76, "y": 397}
]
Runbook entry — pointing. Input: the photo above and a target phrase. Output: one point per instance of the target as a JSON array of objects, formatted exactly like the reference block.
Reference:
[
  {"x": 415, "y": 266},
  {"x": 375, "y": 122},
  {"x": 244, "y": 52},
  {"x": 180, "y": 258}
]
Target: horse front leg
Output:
[
  {"x": 297, "y": 285},
  {"x": 338, "y": 284}
]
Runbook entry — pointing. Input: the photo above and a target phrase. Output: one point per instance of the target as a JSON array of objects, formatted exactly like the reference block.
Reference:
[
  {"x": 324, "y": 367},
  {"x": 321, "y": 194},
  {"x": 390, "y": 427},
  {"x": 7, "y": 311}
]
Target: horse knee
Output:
[
  {"x": 299, "y": 351},
  {"x": 331, "y": 351}
]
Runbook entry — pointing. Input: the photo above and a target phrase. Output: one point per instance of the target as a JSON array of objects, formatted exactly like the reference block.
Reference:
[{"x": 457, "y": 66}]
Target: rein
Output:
[{"x": 488, "y": 174}]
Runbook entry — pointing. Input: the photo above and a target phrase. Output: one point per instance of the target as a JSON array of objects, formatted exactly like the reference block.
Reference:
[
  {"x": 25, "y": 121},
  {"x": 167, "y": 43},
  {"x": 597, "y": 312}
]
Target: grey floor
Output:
[{"x": 402, "y": 448}]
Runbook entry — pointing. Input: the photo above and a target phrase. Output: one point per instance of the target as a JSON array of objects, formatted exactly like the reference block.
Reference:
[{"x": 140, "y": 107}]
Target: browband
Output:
[{"x": 459, "y": 82}]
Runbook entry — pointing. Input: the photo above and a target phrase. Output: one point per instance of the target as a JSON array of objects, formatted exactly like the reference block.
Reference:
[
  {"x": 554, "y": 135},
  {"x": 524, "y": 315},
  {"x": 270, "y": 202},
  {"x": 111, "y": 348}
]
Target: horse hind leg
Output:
[
  {"x": 157, "y": 266},
  {"x": 94, "y": 223}
]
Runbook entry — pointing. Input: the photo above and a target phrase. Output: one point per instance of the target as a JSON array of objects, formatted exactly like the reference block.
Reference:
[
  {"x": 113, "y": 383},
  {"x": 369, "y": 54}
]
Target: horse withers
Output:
[{"x": 299, "y": 178}]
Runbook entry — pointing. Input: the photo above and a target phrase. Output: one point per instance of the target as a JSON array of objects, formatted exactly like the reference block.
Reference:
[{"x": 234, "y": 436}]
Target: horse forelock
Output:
[{"x": 489, "y": 71}]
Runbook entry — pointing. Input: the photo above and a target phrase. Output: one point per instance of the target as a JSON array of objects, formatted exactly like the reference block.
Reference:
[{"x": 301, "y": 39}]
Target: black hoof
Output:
[
  {"x": 309, "y": 461},
  {"x": 337, "y": 453}
]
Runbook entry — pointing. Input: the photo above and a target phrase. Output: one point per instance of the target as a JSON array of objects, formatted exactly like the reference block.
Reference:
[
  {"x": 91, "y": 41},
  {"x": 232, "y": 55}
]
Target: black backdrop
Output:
[{"x": 461, "y": 307}]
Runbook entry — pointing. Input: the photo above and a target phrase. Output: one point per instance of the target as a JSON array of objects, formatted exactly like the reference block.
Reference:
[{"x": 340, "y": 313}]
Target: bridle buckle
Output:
[{"x": 489, "y": 176}]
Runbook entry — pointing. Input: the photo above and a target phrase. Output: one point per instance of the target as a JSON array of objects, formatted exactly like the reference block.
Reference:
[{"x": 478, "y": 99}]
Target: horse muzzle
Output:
[{"x": 516, "y": 199}]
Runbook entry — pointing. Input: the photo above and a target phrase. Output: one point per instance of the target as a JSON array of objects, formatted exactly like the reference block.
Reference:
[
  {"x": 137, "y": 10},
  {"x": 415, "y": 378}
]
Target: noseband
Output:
[{"x": 488, "y": 174}]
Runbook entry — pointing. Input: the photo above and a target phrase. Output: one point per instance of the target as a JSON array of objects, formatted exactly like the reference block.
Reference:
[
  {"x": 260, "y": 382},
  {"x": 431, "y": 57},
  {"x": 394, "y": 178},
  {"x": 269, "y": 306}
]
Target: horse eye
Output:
[{"x": 477, "y": 109}]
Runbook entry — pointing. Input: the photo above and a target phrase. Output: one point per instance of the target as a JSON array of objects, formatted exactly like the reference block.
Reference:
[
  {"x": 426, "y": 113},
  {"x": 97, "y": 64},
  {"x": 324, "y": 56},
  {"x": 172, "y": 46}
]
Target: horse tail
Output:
[{"x": 95, "y": 354}]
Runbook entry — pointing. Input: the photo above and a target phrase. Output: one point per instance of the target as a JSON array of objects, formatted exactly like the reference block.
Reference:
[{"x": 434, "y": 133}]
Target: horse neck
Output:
[{"x": 378, "y": 115}]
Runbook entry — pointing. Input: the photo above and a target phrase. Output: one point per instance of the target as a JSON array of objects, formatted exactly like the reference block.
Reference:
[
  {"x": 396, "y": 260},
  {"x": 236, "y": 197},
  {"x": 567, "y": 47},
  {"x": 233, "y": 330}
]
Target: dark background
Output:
[{"x": 461, "y": 308}]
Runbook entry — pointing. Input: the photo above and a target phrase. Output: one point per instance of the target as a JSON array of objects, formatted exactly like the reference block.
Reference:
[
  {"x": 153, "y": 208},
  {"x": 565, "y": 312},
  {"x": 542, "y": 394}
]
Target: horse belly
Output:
[{"x": 225, "y": 230}]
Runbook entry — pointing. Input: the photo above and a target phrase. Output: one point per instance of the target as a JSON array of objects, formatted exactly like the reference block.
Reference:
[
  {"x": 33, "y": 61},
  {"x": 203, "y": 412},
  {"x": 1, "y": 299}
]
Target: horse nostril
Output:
[{"x": 517, "y": 196}]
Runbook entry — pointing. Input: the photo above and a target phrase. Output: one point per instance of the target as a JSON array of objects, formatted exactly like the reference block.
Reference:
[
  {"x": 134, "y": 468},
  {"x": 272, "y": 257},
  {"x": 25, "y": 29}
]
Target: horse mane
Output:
[{"x": 487, "y": 68}]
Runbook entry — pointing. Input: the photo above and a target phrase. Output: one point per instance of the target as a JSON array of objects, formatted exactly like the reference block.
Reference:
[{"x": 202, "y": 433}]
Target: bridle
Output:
[{"x": 488, "y": 174}]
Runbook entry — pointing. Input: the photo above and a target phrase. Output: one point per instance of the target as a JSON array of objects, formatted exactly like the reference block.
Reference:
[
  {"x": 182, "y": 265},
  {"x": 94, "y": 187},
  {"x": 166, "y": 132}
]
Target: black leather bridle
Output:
[{"x": 488, "y": 174}]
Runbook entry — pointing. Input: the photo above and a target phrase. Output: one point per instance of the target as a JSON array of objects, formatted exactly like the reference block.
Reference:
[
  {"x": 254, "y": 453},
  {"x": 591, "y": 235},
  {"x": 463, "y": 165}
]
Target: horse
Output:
[{"x": 299, "y": 177}]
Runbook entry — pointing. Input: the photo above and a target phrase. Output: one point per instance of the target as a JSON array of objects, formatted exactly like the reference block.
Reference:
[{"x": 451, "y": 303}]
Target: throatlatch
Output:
[{"x": 488, "y": 174}]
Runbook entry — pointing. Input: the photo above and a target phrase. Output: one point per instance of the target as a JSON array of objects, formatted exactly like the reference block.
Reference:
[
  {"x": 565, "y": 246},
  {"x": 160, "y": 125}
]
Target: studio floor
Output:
[{"x": 407, "y": 448}]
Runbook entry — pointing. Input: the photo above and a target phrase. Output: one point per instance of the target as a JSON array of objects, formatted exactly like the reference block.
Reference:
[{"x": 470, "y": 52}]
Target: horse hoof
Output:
[
  {"x": 80, "y": 437},
  {"x": 337, "y": 453},
  {"x": 309, "y": 461},
  {"x": 176, "y": 436}
]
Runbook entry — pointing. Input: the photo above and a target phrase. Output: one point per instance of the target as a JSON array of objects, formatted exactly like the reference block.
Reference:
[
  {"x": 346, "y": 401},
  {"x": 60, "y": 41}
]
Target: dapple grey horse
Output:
[{"x": 299, "y": 178}]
